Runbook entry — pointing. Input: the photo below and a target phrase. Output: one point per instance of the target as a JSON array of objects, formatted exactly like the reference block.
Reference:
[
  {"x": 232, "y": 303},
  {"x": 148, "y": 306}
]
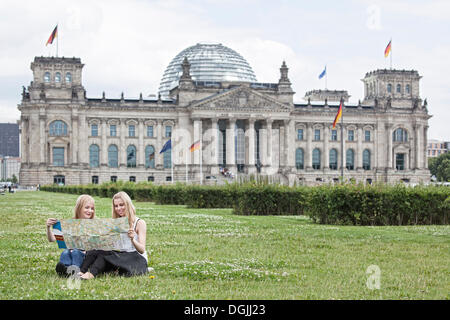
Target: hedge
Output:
[
  {"x": 344, "y": 204},
  {"x": 379, "y": 205}
]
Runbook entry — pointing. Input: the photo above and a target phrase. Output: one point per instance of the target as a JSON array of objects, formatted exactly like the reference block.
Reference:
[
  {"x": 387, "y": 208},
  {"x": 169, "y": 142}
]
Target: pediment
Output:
[{"x": 241, "y": 98}]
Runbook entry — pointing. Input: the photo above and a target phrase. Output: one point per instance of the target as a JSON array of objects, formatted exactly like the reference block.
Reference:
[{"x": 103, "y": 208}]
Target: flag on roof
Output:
[
  {"x": 388, "y": 49},
  {"x": 53, "y": 35},
  {"x": 324, "y": 72}
]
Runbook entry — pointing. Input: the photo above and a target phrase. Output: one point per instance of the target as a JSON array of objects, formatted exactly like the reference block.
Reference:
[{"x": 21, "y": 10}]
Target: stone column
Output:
[
  {"x": 389, "y": 146},
  {"x": 197, "y": 137},
  {"x": 159, "y": 136},
  {"x": 122, "y": 148},
  {"x": 359, "y": 151},
  {"x": 231, "y": 159},
  {"x": 83, "y": 148},
  {"x": 24, "y": 145},
  {"x": 417, "y": 146},
  {"x": 251, "y": 143},
  {"x": 214, "y": 141},
  {"x": 326, "y": 151},
  {"x": 263, "y": 145},
  {"x": 42, "y": 140},
  {"x": 269, "y": 142},
  {"x": 74, "y": 140},
  {"x": 141, "y": 148},
  {"x": 308, "y": 153},
  {"x": 424, "y": 147},
  {"x": 104, "y": 146}
]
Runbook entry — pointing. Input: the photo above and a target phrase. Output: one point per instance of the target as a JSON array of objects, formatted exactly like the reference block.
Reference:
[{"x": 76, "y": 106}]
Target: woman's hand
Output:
[
  {"x": 131, "y": 234},
  {"x": 51, "y": 222}
]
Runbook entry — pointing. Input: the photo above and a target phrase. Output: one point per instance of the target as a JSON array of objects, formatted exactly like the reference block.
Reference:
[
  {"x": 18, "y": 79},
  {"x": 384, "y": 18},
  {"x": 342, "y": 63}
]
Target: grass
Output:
[{"x": 213, "y": 254}]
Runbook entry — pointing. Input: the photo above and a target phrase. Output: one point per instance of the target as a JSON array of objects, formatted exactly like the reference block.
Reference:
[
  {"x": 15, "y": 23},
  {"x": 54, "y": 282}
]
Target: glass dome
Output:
[{"x": 209, "y": 62}]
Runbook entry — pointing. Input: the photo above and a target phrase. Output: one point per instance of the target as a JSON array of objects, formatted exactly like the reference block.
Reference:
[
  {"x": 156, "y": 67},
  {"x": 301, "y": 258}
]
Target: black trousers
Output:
[{"x": 95, "y": 262}]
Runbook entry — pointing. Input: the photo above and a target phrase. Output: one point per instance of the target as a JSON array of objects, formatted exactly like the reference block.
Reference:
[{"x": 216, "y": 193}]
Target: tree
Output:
[
  {"x": 443, "y": 171},
  {"x": 440, "y": 167}
]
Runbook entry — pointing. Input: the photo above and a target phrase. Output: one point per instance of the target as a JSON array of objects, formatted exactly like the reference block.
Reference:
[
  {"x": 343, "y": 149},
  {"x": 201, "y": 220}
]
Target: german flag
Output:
[
  {"x": 195, "y": 146},
  {"x": 53, "y": 35},
  {"x": 388, "y": 49},
  {"x": 338, "y": 115}
]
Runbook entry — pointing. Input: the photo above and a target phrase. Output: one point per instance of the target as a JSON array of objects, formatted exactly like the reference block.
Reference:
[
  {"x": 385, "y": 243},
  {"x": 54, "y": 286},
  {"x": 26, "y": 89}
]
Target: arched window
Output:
[
  {"x": 299, "y": 158},
  {"x": 366, "y": 159},
  {"x": 47, "y": 77},
  {"x": 58, "y": 128},
  {"x": 131, "y": 156},
  {"x": 113, "y": 161},
  {"x": 389, "y": 88},
  {"x": 350, "y": 159},
  {"x": 57, "y": 77},
  {"x": 150, "y": 157},
  {"x": 316, "y": 159},
  {"x": 68, "y": 77},
  {"x": 400, "y": 135},
  {"x": 94, "y": 152},
  {"x": 399, "y": 88},
  {"x": 333, "y": 159}
]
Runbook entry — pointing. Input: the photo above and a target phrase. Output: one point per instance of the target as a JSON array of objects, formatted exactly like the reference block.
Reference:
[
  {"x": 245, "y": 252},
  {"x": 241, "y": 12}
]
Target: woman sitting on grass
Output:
[
  {"x": 84, "y": 209},
  {"x": 128, "y": 263}
]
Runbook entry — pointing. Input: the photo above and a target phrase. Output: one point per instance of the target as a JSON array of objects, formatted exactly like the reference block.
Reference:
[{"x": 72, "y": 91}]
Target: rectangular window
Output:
[
  {"x": 400, "y": 161},
  {"x": 112, "y": 130},
  {"x": 367, "y": 136},
  {"x": 94, "y": 130},
  {"x": 351, "y": 135},
  {"x": 131, "y": 130},
  {"x": 94, "y": 179},
  {"x": 333, "y": 135},
  {"x": 58, "y": 157},
  {"x": 168, "y": 131},
  {"x": 300, "y": 134},
  {"x": 150, "y": 131},
  {"x": 113, "y": 178},
  {"x": 132, "y": 179},
  {"x": 317, "y": 134},
  {"x": 151, "y": 178}
]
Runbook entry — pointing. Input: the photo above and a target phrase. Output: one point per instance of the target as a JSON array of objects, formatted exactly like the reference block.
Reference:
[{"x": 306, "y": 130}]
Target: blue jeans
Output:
[{"x": 72, "y": 257}]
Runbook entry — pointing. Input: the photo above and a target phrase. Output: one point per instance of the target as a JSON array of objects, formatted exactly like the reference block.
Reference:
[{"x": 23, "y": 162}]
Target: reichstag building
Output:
[{"x": 222, "y": 124}]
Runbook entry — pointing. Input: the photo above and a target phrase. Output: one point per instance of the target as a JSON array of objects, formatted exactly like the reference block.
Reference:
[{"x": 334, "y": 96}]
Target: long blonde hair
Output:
[
  {"x": 130, "y": 210},
  {"x": 79, "y": 205}
]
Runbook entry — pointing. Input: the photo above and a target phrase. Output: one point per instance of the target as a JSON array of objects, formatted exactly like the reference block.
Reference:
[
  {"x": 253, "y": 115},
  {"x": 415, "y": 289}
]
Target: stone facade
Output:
[{"x": 247, "y": 128}]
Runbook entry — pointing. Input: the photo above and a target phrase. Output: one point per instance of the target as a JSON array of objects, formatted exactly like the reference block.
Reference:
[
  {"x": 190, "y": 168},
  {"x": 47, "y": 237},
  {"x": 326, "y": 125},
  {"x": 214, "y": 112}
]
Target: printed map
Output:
[{"x": 89, "y": 234}]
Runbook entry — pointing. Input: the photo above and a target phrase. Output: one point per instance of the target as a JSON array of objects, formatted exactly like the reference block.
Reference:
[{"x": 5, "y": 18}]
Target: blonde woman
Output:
[
  {"x": 84, "y": 209},
  {"x": 128, "y": 263}
]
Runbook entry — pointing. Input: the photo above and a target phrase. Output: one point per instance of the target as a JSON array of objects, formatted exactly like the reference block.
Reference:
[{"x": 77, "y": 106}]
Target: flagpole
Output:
[
  {"x": 201, "y": 161},
  {"x": 187, "y": 179},
  {"x": 171, "y": 158},
  {"x": 326, "y": 77},
  {"x": 391, "y": 53},
  {"x": 342, "y": 141},
  {"x": 57, "y": 39}
]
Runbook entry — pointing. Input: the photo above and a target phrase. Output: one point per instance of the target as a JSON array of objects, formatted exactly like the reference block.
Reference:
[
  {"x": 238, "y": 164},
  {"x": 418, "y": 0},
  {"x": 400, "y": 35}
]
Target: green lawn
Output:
[{"x": 213, "y": 254}]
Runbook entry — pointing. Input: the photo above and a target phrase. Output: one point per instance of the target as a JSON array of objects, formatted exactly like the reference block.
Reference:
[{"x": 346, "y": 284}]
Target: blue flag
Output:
[
  {"x": 167, "y": 146},
  {"x": 324, "y": 72}
]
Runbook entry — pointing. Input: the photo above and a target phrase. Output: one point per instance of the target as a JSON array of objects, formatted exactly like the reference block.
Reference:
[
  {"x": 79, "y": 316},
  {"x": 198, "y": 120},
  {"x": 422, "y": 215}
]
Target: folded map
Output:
[{"x": 89, "y": 234}]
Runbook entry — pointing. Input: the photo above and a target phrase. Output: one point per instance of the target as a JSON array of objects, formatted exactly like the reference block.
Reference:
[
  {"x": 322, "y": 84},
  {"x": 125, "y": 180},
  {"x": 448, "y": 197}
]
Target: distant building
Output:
[
  {"x": 9, "y": 166},
  {"x": 9, "y": 140},
  {"x": 436, "y": 148}
]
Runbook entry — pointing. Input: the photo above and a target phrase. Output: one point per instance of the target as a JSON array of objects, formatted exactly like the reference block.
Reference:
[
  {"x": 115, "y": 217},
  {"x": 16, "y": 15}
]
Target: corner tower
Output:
[{"x": 398, "y": 89}]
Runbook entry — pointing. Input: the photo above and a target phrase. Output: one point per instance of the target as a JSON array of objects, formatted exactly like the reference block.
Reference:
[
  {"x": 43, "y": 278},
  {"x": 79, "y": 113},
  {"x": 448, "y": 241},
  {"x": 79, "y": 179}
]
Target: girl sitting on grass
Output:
[
  {"x": 84, "y": 209},
  {"x": 128, "y": 263}
]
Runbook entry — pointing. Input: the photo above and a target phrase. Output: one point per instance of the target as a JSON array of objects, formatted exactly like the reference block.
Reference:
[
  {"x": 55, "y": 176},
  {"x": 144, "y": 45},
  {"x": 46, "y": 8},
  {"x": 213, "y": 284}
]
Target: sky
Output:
[{"x": 125, "y": 46}]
